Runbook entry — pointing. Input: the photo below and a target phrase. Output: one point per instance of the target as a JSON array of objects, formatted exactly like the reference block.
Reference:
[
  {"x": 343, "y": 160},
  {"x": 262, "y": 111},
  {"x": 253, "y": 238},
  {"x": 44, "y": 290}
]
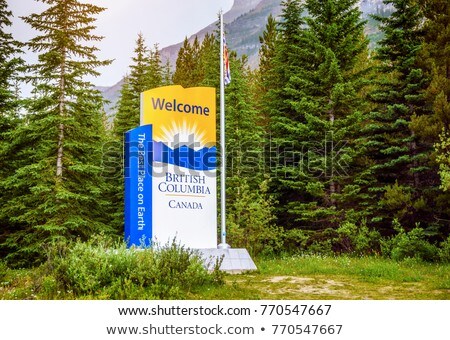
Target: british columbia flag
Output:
[{"x": 226, "y": 61}]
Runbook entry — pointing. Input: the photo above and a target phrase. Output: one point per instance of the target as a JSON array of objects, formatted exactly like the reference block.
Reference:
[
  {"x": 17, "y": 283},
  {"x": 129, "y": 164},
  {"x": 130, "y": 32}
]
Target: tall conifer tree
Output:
[
  {"x": 146, "y": 72},
  {"x": 434, "y": 127},
  {"x": 187, "y": 72},
  {"x": 208, "y": 59},
  {"x": 264, "y": 80},
  {"x": 313, "y": 126},
  {"x": 400, "y": 160},
  {"x": 250, "y": 209},
  {"x": 10, "y": 65},
  {"x": 60, "y": 188}
]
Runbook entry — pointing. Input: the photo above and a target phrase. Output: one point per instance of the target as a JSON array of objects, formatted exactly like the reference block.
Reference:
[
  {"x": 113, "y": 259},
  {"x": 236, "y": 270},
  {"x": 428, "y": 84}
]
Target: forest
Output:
[{"x": 333, "y": 148}]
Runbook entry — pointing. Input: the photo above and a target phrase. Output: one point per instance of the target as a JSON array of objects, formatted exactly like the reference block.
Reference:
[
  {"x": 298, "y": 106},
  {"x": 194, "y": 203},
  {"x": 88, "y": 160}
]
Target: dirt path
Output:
[{"x": 334, "y": 288}]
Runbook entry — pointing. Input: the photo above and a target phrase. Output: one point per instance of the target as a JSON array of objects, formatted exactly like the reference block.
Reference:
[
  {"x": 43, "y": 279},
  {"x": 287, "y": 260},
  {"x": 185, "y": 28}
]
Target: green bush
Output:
[
  {"x": 412, "y": 244},
  {"x": 295, "y": 241},
  {"x": 444, "y": 252},
  {"x": 321, "y": 242},
  {"x": 107, "y": 269},
  {"x": 250, "y": 219},
  {"x": 356, "y": 239},
  {"x": 3, "y": 270}
]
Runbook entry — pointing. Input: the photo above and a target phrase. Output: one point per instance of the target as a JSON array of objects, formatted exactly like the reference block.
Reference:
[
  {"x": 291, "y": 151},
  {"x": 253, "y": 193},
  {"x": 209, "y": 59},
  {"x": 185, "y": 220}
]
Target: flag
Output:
[{"x": 226, "y": 63}]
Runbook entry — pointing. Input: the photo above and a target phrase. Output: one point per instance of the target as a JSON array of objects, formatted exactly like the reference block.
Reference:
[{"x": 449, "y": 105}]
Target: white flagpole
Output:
[{"x": 223, "y": 244}]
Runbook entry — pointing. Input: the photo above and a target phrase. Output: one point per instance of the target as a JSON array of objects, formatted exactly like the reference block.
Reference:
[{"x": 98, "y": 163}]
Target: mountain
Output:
[
  {"x": 244, "y": 24},
  {"x": 111, "y": 95}
]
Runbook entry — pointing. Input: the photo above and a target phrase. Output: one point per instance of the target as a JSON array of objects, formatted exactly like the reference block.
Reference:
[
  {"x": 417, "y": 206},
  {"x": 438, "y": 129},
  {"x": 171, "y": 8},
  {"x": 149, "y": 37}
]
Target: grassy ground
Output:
[
  {"x": 300, "y": 278},
  {"x": 315, "y": 277}
]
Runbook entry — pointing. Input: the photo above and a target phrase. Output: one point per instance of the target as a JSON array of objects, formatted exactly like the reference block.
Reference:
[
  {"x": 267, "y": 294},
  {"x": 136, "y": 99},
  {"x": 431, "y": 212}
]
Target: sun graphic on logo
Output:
[{"x": 181, "y": 133}]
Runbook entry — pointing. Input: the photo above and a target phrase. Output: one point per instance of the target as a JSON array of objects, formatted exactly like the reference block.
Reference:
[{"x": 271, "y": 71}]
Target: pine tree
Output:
[
  {"x": 10, "y": 63},
  {"x": 400, "y": 159},
  {"x": 313, "y": 128},
  {"x": 187, "y": 72},
  {"x": 208, "y": 61},
  {"x": 10, "y": 66},
  {"x": 443, "y": 159},
  {"x": 167, "y": 74},
  {"x": 267, "y": 51},
  {"x": 59, "y": 189},
  {"x": 288, "y": 60},
  {"x": 155, "y": 68},
  {"x": 197, "y": 63},
  {"x": 243, "y": 128},
  {"x": 265, "y": 74},
  {"x": 249, "y": 208},
  {"x": 434, "y": 128},
  {"x": 146, "y": 73}
]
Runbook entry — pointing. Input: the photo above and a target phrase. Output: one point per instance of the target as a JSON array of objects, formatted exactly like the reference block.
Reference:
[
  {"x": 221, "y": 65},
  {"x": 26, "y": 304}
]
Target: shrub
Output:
[
  {"x": 250, "y": 220},
  {"x": 3, "y": 270},
  {"x": 357, "y": 239},
  {"x": 108, "y": 269},
  {"x": 321, "y": 242},
  {"x": 294, "y": 241},
  {"x": 412, "y": 244},
  {"x": 444, "y": 252}
]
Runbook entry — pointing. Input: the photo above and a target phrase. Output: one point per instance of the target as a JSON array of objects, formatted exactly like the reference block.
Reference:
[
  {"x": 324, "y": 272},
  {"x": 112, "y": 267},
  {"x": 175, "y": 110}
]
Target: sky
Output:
[{"x": 165, "y": 22}]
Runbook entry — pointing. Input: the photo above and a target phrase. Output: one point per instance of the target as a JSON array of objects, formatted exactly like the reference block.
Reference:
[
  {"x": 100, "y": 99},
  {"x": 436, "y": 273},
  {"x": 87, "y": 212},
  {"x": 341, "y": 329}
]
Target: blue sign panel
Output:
[{"x": 138, "y": 186}]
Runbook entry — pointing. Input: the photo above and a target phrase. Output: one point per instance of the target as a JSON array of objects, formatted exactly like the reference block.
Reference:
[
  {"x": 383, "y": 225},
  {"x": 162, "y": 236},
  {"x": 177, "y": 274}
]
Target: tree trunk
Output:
[
  {"x": 332, "y": 183},
  {"x": 415, "y": 162},
  {"x": 62, "y": 103}
]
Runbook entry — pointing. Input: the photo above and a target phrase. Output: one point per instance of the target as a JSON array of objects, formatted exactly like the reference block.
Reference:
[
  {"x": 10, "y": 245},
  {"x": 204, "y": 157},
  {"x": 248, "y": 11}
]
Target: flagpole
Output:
[{"x": 223, "y": 244}]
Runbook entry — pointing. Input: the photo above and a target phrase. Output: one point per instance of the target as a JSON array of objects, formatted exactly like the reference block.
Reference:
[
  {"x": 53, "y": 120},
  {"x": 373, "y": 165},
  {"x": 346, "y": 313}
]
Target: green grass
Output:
[
  {"x": 318, "y": 277},
  {"x": 298, "y": 278}
]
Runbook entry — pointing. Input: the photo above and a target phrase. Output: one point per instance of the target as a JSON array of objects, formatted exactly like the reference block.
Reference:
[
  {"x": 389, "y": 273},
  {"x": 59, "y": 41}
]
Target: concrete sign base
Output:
[{"x": 235, "y": 261}]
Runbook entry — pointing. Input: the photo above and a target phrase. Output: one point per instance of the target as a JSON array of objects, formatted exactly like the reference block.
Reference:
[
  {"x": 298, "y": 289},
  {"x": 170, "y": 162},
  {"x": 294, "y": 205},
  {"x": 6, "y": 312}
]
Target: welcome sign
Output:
[{"x": 183, "y": 164}]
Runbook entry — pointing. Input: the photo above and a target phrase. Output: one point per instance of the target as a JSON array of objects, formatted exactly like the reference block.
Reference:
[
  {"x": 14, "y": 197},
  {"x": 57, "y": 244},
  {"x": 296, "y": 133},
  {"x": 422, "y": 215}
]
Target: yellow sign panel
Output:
[
  {"x": 184, "y": 200},
  {"x": 179, "y": 114}
]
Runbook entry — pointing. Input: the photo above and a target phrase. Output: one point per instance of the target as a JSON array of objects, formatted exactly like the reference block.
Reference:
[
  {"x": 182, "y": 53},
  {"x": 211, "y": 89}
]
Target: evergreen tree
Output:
[
  {"x": 59, "y": 189},
  {"x": 435, "y": 60},
  {"x": 155, "y": 68},
  {"x": 288, "y": 60},
  {"x": 243, "y": 128},
  {"x": 400, "y": 159},
  {"x": 187, "y": 72},
  {"x": 128, "y": 112},
  {"x": 313, "y": 128},
  {"x": 10, "y": 65},
  {"x": 267, "y": 50},
  {"x": 264, "y": 78},
  {"x": 249, "y": 208},
  {"x": 146, "y": 72},
  {"x": 208, "y": 61},
  {"x": 197, "y": 63},
  {"x": 276, "y": 103},
  {"x": 434, "y": 128},
  {"x": 167, "y": 74}
]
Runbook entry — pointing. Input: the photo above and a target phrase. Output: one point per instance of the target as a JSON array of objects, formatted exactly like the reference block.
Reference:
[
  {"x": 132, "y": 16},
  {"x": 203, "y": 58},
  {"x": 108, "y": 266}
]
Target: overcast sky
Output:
[{"x": 165, "y": 22}]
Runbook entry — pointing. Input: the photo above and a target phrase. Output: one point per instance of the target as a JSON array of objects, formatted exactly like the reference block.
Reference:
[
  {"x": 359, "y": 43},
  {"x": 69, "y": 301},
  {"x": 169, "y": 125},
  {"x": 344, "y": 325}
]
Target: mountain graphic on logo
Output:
[{"x": 186, "y": 157}]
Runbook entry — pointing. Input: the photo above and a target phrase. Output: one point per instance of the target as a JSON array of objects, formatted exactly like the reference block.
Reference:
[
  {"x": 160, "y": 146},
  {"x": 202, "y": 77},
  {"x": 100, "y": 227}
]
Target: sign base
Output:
[{"x": 235, "y": 261}]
